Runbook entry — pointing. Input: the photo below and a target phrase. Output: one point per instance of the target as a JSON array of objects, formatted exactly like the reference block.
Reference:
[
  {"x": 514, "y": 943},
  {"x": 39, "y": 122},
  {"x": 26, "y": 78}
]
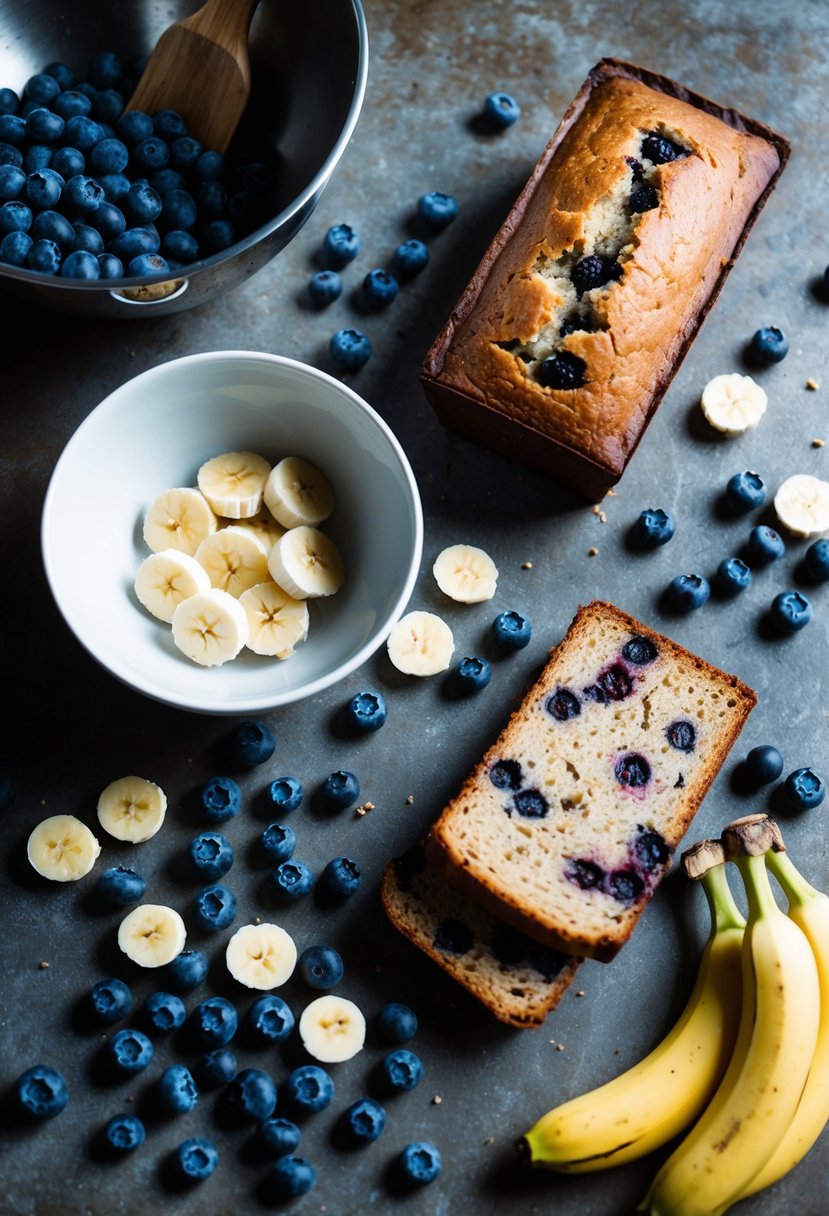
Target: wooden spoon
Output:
[{"x": 200, "y": 68}]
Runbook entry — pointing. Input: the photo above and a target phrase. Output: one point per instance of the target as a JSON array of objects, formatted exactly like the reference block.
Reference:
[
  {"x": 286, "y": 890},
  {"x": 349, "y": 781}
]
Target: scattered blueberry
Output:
[
  {"x": 289, "y": 1177},
  {"x": 687, "y": 592},
  {"x": 278, "y": 1137},
  {"x": 380, "y": 287},
  {"x": 340, "y": 246},
  {"x": 804, "y": 789},
  {"x": 130, "y": 1050},
  {"x": 269, "y": 1020},
  {"x": 436, "y": 209},
  {"x": 512, "y": 631},
  {"x": 340, "y": 878},
  {"x": 324, "y": 288},
  {"x": 123, "y": 1134},
  {"x": 221, "y": 799},
  {"x": 87, "y": 239},
  {"x": 292, "y": 880},
  {"x": 143, "y": 204},
  {"x": 366, "y": 712},
  {"x": 790, "y": 611},
  {"x": 745, "y": 491},
  {"x": 250, "y": 1096},
  {"x": 120, "y": 886},
  {"x": 218, "y": 235},
  {"x": 320, "y": 967},
  {"x": 179, "y": 246},
  {"x": 409, "y": 258},
  {"x": 196, "y": 1159},
  {"x": 308, "y": 1089},
  {"x": 214, "y": 1021},
  {"x": 768, "y": 345},
  {"x": 816, "y": 561},
  {"x": 177, "y": 1090},
  {"x": 500, "y": 111},
  {"x": 339, "y": 791},
  {"x": 185, "y": 151},
  {"x": 419, "y": 1163},
  {"x": 764, "y": 545},
  {"x": 178, "y": 211},
  {"x": 134, "y": 126},
  {"x": 285, "y": 794},
  {"x": 681, "y": 735},
  {"x": 8, "y": 101},
  {"x": 350, "y": 349},
  {"x": 38, "y": 156},
  {"x": 471, "y": 675},
  {"x": 363, "y": 1121},
  {"x": 187, "y": 970},
  {"x": 210, "y": 855},
  {"x": 44, "y": 127},
  {"x": 71, "y": 103},
  {"x": 506, "y": 775},
  {"x": 209, "y": 167},
  {"x": 563, "y": 370},
  {"x": 655, "y": 526},
  {"x": 215, "y": 907},
  {"x": 613, "y": 683},
  {"x": 109, "y": 1001},
  {"x": 402, "y": 1069},
  {"x": 397, "y": 1023},
  {"x": 278, "y": 842},
  {"x": 732, "y": 576},
  {"x": 252, "y": 743},
  {"x": 41, "y": 1092},
  {"x": 216, "y": 1068},
  {"x": 764, "y": 764},
  {"x": 108, "y": 106},
  {"x": 163, "y": 1012}
]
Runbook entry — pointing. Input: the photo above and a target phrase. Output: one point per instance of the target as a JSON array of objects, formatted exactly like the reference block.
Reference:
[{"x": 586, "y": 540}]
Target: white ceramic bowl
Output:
[{"x": 153, "y": 433}]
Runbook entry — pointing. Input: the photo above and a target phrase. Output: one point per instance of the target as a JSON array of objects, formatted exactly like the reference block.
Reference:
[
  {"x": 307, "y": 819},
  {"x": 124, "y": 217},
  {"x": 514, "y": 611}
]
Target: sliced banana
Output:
[
  {"x": 298, "y": 493},
  {"x": 262, "y": 524},
  {"x": 420, "y": 644},
  {"x": 178, "y": 519},
  {"x": 62, "y": 848},
  {"x": 332, "y": 1029},
  {"x": 306, "y": 563},
  {"x": 166, "y": 578},
  {"x": 465, "y": 574},
  {"x": 276, "y": 621},
  {"x": 152, "y": 935},
  {"x": 132, "y": 808},
  {"x": 802, "y": 505},
  {"x": 233, "y": 483},
  {"x": 261, "y": 956},
  {"x": 733, "y": 403},
  {"x": 210, "y": 628},
  {"x": 234, "y": 558}
]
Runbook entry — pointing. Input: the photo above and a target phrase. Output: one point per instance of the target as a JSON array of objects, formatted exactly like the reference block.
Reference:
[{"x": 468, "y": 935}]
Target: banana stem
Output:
[
  {"x": 795, "y": 887},
  {"x": 724, "y": 912},
  {"x": 761, "y": 901}
]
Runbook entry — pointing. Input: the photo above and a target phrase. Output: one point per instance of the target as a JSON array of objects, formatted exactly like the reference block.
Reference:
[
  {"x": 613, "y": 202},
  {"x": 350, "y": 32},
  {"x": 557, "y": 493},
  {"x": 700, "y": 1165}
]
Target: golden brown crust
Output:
[{"x": 681, "y": 252}]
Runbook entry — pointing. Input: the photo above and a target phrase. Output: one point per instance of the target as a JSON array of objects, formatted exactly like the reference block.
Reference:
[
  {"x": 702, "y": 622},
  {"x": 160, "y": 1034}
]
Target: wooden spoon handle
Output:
[{"x": 225, "y": 22}]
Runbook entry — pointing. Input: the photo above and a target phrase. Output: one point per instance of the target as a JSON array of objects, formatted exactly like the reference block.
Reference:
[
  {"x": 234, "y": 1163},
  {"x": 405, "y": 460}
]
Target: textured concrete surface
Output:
[{"x": 69, "y": 728}]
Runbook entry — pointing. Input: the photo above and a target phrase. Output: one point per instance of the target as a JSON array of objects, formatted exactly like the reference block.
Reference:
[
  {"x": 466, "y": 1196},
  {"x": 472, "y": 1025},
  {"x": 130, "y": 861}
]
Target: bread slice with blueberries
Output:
[{"x": 569, "y": 822}]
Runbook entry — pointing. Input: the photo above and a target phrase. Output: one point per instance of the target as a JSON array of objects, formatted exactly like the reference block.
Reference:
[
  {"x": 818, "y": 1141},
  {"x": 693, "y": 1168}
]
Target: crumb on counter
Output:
[
  {"x": 526, "y": 565},
  {"x": 409, "y": 799},
  {"x": 612, "y": 494},
  {"x": 592, "y": 551},
  {"x": 489, "y": 1140},
  {"x": 436, "y": 1101},
  {"x": 596, "y": 509},
  {"x": 602, "y": 517},
  {"x": 580, "y": 992},
  {"x": 818, "y": 443},
  {"x": 43, "y": 966},
  {"x": 812, "y": 384},
  {"x": 364, "y": 808},
  {"x": 257, "y": 920}
]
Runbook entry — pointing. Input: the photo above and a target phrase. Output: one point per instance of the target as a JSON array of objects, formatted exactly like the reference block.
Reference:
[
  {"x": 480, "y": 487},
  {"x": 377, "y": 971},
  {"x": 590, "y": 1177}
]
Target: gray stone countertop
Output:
[{"x": 69, "y": 728}]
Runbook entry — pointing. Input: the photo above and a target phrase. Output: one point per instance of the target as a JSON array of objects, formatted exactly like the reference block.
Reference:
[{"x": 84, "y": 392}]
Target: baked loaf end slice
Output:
[
  {"x": 517, "y": 979},
  {"x": 569, "y": 822}
]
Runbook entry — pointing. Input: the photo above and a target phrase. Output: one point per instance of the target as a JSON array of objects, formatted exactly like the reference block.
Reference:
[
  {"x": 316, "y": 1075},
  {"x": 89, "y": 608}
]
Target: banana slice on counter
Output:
[
  {"x": 233, "y": 483},
  {"x": 62, "y": 848},
  {"x": 298, "y": 493},
  {"x": 466, "y": 574},
  {"x": 276, "y": 621},
  {"x": 166, "y": 578},
  {"x": 234, "y": 558},
  {"x": 178, "y": 519},
  {"x": 802, "y": 505},
  {"x": 733, "y": 403},
  {"x": 420, "y": 644},
  {"x": 152, "y": 935},
  {"x": 210, "y": 628},
  {"x": 261, "y": 956},
  {"x": 306, "y": 563},
  {"x": 132, "y": 809},
  {"x": 332, "y": 1029},
  {"x": 262, "y": 524}
]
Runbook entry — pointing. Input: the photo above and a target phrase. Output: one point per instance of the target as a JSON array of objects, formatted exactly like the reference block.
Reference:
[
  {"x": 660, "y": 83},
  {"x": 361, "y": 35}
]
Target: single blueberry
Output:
[
  {"x": 350, "y": 349},
  {"x": 396, "y": 1023},
  {"x": 82, "y": 132},
  {"x": 764, "y": 546},
  {"x": 790, "y": 611},
  {"x": 187, "y": 970},
  {"x": 120, "y": 885},
  {"x": 163, "y": 1012},
  {"x": 83, "y": 193},
  {"x": 291, "y": 881},
  {"x": 320, "y": 967},
  {"x": 633, "y": 770},
  {"x": 340, "y": 879},
  {"x": 437, "y": 210},
  {"x": 115, "y": 186},
  {"x": 38, "y": 157},
  {"x": 87, "y": 89},
  {"x": 639, "y": 651},
  {"x": 109, "y": 220},
  {"x": 816, "y": 560},
  {"x": 110, "y": 156},
  {"x": 80, "y": 265},
  {"x": 44, "y": 256},
  {"x": 453, "y": 936},
  {"x": 278, "y": 842},
  {"x": 500, "y": 111},
  {"x": 108, "y": 106},
  {"x": 245, "y": 210},
  {"x": 10, "y": 155},
  {"x": 148, "y": 263},
  {"x": 324, "y": 288},
  {"x": 594, "y": 271},
  {"x": 215, "y": 907},
  {"x": 654, "y": 527},
  {"x": 214, "y": 1022},
  {"x": 209, "y": 167},
  {"x": 109, "y": 1001},
  {"x": 8, "y": 101},
  {"x": 211, "y": 200},
  {"x": 804, "y": 789},
  {"x": 681, "y": 735},
  {"x": 216, "y": 1068},
  {"x": 180, "y": 246},
  {"x": 185, "y": 151},
  {"x": 217, "y": 236},
  {"x": 52, "y": 226},
  {"x": 409, "y": 258},
  {"x": 165, "y": 180},
  {"x": 625, "y": 885},
  {"x": 362, "y": 1122},
  {"x": 380, "y": 287},
  {"x": 732, "y": 576},
  {"x": 340, "y": 246},
  {"x": 41, "y": 88},
  {"x": 178, "y": 210},
  {"x": 688, "y": 592},
  {"x": 221, "y": 799},
  {"x": 123, "y": 1134},
  {"x": 61, "y": 72},
  {"x": 745, "y": 491},
  {"x": 44, "y": 188},
  {"x": 72, "y": 104},
  {"x": 44, "y": 127},
  {"x": 419, "y": 1163},
  {"x": 134, "y": 126},
  {"x": 764, "y": 764},
  {"x": 470, "y": 675},
  {"x": 109, "y": 266},
  {"x": 290, "y": 1177},
  {"x": 169, "y": 124},
  {"x": 339, "y": 791},
  {"x": 659, "y": 149},
  {"x": 130, "y": 1051},
  {"x": 87, "y": 240},
  {"x": 14, "y": 248},
  {"x": 177, "y": 1090},
  {"x": 402, "y": 1069},
  {"x": 585, "y": 874},
  {"x": 506, "y": 775},
  {"x": 150, "y": 154},
  {"x": 285, "y": 794},
  {"x": 15, "y": 216},
  {"x": 196, "y": 1159},
  {"x": 563, "y": 370},
  {"x": 650, "y": 850},
  {"x": 563, "y": 705},
  {"x": 13, "y": 130},
  {"x": 366, "y": 712},
  {"x": 308, "y": 1089},
  {"x": 210, "y": 855},
  {"x": 41, "y": 1092},
  {"x": 250, "y": 1096},
  {"x": 645, "y": 198},
  {"x": 615, "y": 683},
  {"x": 531, "y": 804},
  {"x": 252, "y": 743},
  {"x": 277, "y": 1137},
  {"x": 512, "y": 631},
  {"x": 105, "y": 70},
  {"x": 768, "y": 345},
  {"x": 269, "y": 1020}
]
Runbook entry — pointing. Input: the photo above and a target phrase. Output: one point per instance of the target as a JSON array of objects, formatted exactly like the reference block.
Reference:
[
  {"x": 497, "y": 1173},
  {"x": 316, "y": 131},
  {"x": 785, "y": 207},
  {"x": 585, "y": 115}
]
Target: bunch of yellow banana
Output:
[{"x": 757, "y": 1117}]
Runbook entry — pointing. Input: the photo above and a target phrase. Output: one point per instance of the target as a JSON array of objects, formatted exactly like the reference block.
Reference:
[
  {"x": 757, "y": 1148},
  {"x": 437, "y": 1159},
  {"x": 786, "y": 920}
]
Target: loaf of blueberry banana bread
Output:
[
  {"x": 517, "y": 979},
  {"x": 569, "y": 822},
  {"x": 587, "y": 299}
]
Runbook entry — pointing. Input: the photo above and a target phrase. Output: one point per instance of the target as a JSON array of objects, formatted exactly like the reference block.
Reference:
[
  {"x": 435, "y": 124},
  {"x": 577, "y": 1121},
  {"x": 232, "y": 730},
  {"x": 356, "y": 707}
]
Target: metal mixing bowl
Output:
[{"x": 309, "y": 64}]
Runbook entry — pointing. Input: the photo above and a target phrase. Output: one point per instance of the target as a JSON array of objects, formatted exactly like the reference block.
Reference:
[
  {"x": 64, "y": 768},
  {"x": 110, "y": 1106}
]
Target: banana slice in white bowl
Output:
[
  {"x": 167, "y": 578},
  {"x": 276, "y": 621},
  {"x": 178, "y": 519},
  {"x": 235, "y": 558},
  {"x": 297, "y": 493},
  {"x": 210, "y": 628},
  {"x": 233, "y": 483},
  {"x": 306, "y": 563},
  {"x": 62, "y": 848},
  {"x": 132, "y": 809}
]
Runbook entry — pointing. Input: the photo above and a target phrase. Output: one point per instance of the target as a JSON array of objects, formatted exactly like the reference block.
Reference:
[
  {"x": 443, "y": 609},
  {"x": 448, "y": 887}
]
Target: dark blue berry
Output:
[
  {"x": 87, "y": 240},
  {"x": 177, "y": 1090},
  {"x": 13, "y": 130},
  {"x": 500, "y": 111},
  {"x": 278, "y": 1137},
  {"x": 163, "y": 1012},
  {"x": 506, "y": 775},
  {"x": 340, "y": 878},
  {"x": 10, "y": 156},
  {"x": 52, "y": 226},
  {"x": 108, "y": 106},
  {"x": 563, "y": 370},
  {"x": 639, "y": 651},
  {"x": 409, "y": 258},
  {"x": 169, "y": 124},
  {"x": 187, "y": 970},
  {"x": 615, "y": 683},
  {"x": 324, "y": 288},
  {"x": 632, "y": 770},
  {"x": 585, "y": 874},
  {"x": 83, "y": 193},
  {"x": 308, "y": 1089},
  {"x": 150, "y": 154},
  {"x": 12, "y": 181},
  {"x": 215, "y": 908},
  {"x": 165, "y": 180},
  {"x": 340, "y": 246},
  {"x": 120, "y": 885},
  {"x": 15, "y": 217},
  {"x": 661, "y": 151},
  {"x": 123, "y": 1134},
  {"x": 804, "y": 789},
  {"x": 745, "y": 492},
  {"x": 379, "y": 289},
  {"x": 210, "y": 855},
  {"x": 471, "y": 675},
  {"x": 645, "y": 198},
  {"x": 397, "y": 1023},
  {"x": 732, "y": 576},
  {"x": 110, "y": 156},
  {"x": 87, "y": 89},
  {"x": 285, "y": 794},
  {"x": 38, "y": 157},
  {"x": 130, "y": 1051},
  {"x": 681, "y": 735},
  {"x": 109, "y": 1001},
  {"x": 290, "y": 1177},
  {"x": 594, "y": 271},
  {"x": 269, "y": 1020},
  {"x": 44, "y": 127},
  {"x": 625, "y": 885},
  {"x": 41, "y": 88},
  {"x": 687, "y": 592},
  {"x": 8, "y": 101},
  {"x": 563, "y": 705},
  {"x": 82, "y": 132},
  {"x": 437, "y": 210},
  {"x": 292, "y": 880},
  {"x": 768, "y": 345},
  {"x": 143, "y": 204},
  {"x": 350, "y": 349},
  {"x": 180, "y": 246},
  {"x": 44, "y": 256},
  {"x": 764, "y": 545},
  {"x": 512, "y": 631},
  {"x": 68, "y": 162},
  {"x": 252, "y": 743},
  {"x": 764, "y": 764},
  {"x": 178, "y": 210},
  {"x": 278, "y": 842},
  {"x": 453, "y": 936},
  {"x": 44, "y": 188},
  {"x": 339, "y": 791},
  {"x": 196, "y": 1159},
  {"x": 61, "y": 72},
  {"x": 185, "y": 152},
  {"x": 366, "y": 712},
  {"x": 654, "y": 527},
  {"x": 214, "y": 1022},
  {"x": 531, "y": 804},
  {"x": 41, "y": 1092},
  {"x": 209, "y": 167},
  {"x": 105, "y": 70},
  {"x": 115, "y": 186},
  {"x": 402, "y": 1069},
  {"x": 419, "y": 1163},
  {"x": 221, "y": 799},
  {"x": 80, "y": 265},
  {"x": 211, "y": 199},
  {"x": 816, "y": 561},
  {"x": 250, "y": 1096},
  {"x": 217, "y": 236},
  {"x": 320, "y": 967},
  {"x": 650, "y": 850},
  {"x": 14, "y": 248},
  {"x": 790, "y": 611},
  {"x": 72, "y": 104},
  {"x": 363, "y": 1122},
  {"x": 216, "y": 1068},
  {"x": 110, "y": 267},
  {"x": 134, "y": 126}
]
